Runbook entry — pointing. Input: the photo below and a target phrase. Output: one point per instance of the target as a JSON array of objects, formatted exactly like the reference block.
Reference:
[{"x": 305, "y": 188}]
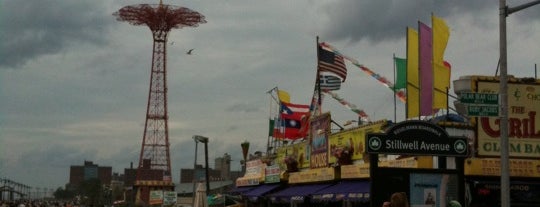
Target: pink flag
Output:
[{"x": 425, "y": 69}]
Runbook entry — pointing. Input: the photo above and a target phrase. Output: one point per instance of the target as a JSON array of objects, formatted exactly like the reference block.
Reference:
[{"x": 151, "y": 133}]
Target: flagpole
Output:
[
  {"x": 270, "y": 144},
  {"x": 313, "y": 106},
  {"x": 280, "y": 121},
  {"x": 317, "y": 79},
  {"x": 394, "y": 63}
]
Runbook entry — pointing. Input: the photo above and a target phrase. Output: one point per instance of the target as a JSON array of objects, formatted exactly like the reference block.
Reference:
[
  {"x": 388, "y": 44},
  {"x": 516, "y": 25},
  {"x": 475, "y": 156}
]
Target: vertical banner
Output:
[
  {"x": 320, "y": 131},
  {"x": 413, "y": 85},
  {"x": 425, "y": 69}
]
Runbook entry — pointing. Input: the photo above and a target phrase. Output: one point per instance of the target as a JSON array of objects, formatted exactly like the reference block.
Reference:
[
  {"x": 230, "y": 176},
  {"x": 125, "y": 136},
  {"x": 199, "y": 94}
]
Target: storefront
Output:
[
  {"x": 347, "y": 192},
  {"x": 483, "y": 180},
  {"x": 486, "y": 192},
  {"x": 259, "y": 191},
  {"x": 297, "y": 195}
]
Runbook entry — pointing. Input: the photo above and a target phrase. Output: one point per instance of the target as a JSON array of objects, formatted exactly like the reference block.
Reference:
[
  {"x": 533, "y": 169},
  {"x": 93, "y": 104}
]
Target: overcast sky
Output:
[{"x": 74, "y": 80}]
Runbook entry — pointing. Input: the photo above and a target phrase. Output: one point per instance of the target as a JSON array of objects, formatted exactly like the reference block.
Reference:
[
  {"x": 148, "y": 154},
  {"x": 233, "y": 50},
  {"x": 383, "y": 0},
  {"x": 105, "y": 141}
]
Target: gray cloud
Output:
[
  {"x": 377, "y": 21},
  {"x": 36, "y": 28}
]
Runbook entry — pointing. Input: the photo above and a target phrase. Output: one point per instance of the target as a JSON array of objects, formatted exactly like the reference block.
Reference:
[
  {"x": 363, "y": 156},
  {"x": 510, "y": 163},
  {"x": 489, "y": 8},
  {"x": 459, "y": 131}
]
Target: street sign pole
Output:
[{"x": 504, "y": 11}]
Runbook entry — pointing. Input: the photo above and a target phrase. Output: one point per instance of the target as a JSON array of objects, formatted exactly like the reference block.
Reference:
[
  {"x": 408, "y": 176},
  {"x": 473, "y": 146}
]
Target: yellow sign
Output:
[
  {"x": 351, "y": 141},
  {"x": 523, "y": 129},
  {"x": 492, "y": 167},
  {"x": 255, "y": 172},
  {"x": 355, "y": 171},
  {"x": 412, "y": 162},
  {"x": 313, "y": 175}
]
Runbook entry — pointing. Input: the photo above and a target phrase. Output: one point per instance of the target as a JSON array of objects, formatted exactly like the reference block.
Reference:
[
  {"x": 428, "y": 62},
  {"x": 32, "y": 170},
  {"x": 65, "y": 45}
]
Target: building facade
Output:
[{"x": 80, "y": 173}]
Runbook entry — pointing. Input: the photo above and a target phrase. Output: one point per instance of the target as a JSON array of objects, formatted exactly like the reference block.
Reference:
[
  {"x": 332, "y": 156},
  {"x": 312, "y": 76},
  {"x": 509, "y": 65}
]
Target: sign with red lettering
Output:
[
  {"x": 320, "y": 131},
  {"x": 523, "y": 129}
]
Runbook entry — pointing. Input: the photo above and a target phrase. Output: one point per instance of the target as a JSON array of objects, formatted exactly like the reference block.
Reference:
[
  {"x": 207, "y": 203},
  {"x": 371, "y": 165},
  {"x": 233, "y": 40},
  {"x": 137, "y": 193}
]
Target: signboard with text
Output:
[
  {"x": 523, "y": 129},
  {"x": 479, "y": 98},
  {"x": 319, "y": 133},
  {"x": 416, "y": 138},
  {"x": 352, "y": 141},
  {"x": 480, "y": 104}
]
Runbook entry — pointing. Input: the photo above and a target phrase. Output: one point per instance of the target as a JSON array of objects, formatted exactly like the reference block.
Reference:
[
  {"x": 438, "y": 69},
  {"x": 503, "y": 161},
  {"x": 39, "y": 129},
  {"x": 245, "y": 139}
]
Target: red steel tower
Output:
[{"x": 154, "y": 170}]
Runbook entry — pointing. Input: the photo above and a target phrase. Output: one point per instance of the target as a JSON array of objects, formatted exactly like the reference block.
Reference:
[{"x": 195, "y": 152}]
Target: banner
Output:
[{"x": 320, "y": 131}]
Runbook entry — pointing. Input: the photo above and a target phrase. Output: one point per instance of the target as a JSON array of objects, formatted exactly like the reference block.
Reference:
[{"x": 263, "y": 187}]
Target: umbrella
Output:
[{"x": 200, "y": 196}]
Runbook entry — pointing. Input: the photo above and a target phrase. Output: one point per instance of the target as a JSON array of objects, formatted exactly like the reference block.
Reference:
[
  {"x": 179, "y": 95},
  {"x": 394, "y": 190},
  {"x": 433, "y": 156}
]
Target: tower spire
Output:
[{"x": 154, "y": 169}]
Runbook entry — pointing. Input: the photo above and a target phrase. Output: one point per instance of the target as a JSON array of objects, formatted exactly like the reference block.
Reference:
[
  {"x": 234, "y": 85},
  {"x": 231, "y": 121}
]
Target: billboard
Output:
[
  {"x": 350, "y": 142},
  {"x": 523, "y": 129},
  {"x": 319, "y": 133}
]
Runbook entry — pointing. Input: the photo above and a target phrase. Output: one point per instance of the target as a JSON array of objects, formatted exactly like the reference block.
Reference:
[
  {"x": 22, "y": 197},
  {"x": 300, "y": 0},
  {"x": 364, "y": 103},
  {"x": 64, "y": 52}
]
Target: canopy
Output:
[
  {"x": 255, "y": 193},
  {"x": 296, "y": 192},
  {"x": 345, "y": 190}
]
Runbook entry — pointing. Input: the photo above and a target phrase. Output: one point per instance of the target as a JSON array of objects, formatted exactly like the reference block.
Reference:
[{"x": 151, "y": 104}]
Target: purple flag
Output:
[{"x": 425, "y": 69}]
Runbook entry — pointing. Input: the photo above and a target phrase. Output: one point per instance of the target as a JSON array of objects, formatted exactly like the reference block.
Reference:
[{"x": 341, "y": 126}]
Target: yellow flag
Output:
[
  {"x": 284, "y": 96},
  {"x": 413, "y": 96},
  {"x": 441, "y": 73}
]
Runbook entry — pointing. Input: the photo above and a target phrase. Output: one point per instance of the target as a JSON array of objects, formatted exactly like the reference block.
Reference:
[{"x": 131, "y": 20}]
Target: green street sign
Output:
[
  {"x": 483, "y": 110},
  {"x": 479, "y": 98}
]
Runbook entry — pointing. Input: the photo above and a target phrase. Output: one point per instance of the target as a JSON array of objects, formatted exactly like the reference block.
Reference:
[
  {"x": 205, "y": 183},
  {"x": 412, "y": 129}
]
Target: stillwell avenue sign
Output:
[{"x": 416, "y": 137}]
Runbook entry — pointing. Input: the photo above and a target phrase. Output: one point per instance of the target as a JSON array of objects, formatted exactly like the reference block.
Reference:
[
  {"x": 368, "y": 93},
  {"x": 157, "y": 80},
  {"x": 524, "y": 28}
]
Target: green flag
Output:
[
  {"x": 271, "y": 128},
  {"x": 401, "y": 73}
]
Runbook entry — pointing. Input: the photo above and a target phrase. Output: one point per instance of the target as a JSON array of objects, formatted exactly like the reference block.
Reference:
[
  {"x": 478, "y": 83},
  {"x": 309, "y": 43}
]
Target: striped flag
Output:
[
  {"x": 331, "y": 62},
  {"x": 329, "y": 82}
]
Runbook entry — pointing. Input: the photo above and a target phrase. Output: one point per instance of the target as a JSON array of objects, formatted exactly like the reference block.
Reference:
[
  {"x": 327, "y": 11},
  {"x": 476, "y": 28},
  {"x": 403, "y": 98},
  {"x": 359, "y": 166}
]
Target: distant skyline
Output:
[{"x": 74, "y": 80}]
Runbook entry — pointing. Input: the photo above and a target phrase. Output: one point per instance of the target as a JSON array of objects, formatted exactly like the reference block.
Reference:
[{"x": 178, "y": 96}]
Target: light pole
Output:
[
  {"x": 504, "y": 11},
  {"x": 203, "y": 140}
]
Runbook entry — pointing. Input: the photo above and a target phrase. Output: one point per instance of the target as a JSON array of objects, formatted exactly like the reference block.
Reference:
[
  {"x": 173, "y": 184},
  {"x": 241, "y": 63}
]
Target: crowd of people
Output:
[
  {"x": 399, "y": 199},
  {"x": 37, "y": 203}
]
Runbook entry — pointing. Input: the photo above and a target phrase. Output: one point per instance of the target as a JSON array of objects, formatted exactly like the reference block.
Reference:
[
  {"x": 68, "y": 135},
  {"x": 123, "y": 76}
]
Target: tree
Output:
[{"x": 63, "y": 194}]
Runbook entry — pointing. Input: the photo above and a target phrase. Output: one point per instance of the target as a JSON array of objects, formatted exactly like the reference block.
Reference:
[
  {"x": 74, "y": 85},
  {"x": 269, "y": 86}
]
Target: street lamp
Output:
[
  {"x": 203, "y": 140},
  {"x": 504, "y": 11}
]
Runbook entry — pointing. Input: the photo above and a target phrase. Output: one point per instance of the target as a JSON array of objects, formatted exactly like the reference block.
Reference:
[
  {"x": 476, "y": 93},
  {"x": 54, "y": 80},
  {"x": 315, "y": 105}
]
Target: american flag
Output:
[
  {"x": 329, "y": 82},
  {"x": 331, "y": 62}
]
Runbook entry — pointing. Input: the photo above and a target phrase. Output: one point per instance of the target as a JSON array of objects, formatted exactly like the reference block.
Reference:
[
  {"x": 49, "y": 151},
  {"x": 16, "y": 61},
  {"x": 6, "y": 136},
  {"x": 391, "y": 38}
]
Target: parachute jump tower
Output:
[{"x": 154, "y": 169}]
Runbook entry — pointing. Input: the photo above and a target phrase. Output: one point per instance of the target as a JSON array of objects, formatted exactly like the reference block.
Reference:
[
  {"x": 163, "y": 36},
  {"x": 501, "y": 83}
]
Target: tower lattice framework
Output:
[{"x": 154, "y": 169}]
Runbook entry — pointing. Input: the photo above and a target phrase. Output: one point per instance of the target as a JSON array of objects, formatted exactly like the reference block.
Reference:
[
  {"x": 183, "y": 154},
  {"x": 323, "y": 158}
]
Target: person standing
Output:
[{"x": 399, "y": 199}]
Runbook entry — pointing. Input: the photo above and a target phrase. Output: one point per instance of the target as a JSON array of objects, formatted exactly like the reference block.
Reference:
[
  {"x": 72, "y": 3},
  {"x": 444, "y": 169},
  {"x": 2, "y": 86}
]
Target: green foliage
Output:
[{"x": 63, "y": 194}]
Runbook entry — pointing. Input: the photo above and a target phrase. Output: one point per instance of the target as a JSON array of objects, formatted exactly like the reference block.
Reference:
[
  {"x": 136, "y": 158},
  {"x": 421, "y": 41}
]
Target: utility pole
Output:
[{"x": 504, "y": 11}]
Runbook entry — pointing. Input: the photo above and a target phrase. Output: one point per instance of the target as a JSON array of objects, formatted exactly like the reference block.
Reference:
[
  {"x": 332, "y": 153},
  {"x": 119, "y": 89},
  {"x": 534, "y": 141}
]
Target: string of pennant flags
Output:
[
  {"x": 347, "y": 104},
  {"x": 400, "y": 94}
]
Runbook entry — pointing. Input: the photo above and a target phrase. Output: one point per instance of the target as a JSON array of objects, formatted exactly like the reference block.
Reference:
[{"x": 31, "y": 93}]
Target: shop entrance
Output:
[{"x": 432, "y": 187}]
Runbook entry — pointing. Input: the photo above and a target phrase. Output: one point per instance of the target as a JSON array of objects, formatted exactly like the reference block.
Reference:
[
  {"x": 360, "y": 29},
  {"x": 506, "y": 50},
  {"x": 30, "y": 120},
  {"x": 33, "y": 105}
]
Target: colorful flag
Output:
[
  {"x": 294, "y": 125},
  {"x": 401, "y": 73},
  {"x": 294, "y": 120},
  {"x": 329, "y": 82},
  {"x": 271, "y": 127},
  {"x": 441, "y": 73},
  {"x": 378, "y": 77},
  {"x": 413, "y": 94},
  {"x": 331, "y": 62},
  {"x": 290, "y": 108},
  {"x": 284, "y": 96},
  {"x": 425, "y": 69},
  {"x": 276, "y": 128}
]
